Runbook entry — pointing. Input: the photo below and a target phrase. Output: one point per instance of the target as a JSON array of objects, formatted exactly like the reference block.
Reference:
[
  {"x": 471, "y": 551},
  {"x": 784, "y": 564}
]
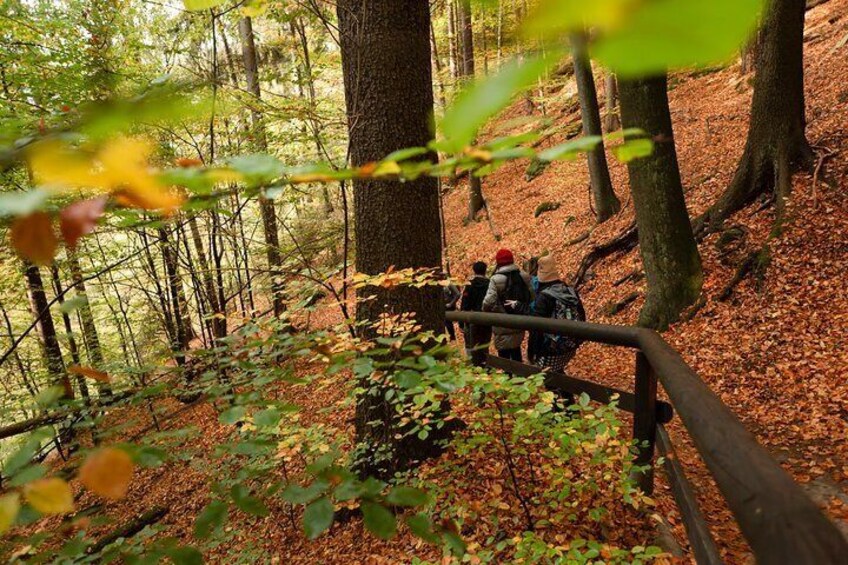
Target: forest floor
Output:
[{"x": 776, "y": 352}]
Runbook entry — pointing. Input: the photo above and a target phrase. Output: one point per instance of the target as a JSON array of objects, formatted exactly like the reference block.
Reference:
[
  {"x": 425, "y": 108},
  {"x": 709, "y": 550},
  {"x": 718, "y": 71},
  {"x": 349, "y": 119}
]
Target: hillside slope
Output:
[{"x": 775, "y": 352}]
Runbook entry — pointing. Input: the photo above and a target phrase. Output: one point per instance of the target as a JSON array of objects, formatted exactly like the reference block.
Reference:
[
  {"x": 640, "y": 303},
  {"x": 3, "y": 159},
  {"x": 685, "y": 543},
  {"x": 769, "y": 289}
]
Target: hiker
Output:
[
  {"x": 531, "y": 267},
  {"x": 477, "y": 338},
  {"x": 451, "y": 296},
  {"x": 510, "y": 292},
  {"x": 558, "y": 301}
]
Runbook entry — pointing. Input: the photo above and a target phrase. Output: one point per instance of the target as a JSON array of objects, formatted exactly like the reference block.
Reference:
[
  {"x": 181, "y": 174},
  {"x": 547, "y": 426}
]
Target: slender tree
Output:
[
  {"x": 606, "y": 203},
  {"x": 89, "y": 328},
  {"x": 777, "y": 144},
  {"x": 47, "y": 330},
  {"x": 180, "y": 341},
  {"x": 669, "y": 252},
  {"x": 476, "y": 201},
  {"x": 611, "y": 118},
  {"x": 266, "y": 206},
  {"x": 386, "y": 65},
  {"x": 69, "y": 330}
]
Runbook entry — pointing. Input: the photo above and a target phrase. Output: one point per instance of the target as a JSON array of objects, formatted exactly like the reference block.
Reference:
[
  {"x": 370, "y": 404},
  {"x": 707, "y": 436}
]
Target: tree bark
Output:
[
  {"x": 389, "y": 98},
  {"x": 669, "y": 252},
  {"x": 606, "y": 203},
  {"x": 69, "y": 331},
  {"x": 266, "y": 206},
  {"x": 89, "y": 328},
  {"x": 180, "y": 345},
  {"x": 611, "y": 119},
  {"x": 476, "y": 200},
  {"x": 49, "y": 342},
  {"x": 776, "y": 145}
]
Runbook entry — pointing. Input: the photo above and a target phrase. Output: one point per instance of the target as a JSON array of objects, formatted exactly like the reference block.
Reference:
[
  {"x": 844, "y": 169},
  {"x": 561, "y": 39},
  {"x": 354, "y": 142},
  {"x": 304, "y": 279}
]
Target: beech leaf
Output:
[
  {"x": 107, "y": 472},
  {"x": 99, "y": 376},
  {"x": 80, "y": 218},
  {"x": 33, "y": 238},
  {"x": 50, "y": 496}
]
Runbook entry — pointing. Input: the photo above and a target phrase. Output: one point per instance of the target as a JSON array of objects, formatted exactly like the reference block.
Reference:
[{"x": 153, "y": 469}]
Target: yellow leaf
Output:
[
  {"x": 89, "y": 372},
  {"x": 107, "y": 472},
  {"x": 56, "y": 166},
  {"x": 386, "y": 168},
  {"x": 9, "y": 506},
  {"x": 222, "y": 175},
  {"x": 50, "y": 496},
  {"x": 310, "y": 177},
  {"x": 33, "y": 238}
]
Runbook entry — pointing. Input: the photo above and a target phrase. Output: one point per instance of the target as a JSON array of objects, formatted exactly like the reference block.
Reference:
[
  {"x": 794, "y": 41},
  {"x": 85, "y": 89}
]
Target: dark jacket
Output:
[
  {"x": 505, "y": 338},
  {"x": 474, "y": 293},
  {"x": 544, "y": 308}
]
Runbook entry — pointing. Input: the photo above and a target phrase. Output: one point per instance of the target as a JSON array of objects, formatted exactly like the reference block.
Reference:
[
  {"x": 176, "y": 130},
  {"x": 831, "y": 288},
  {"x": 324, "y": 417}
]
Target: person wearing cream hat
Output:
[{"x": 558, "y": 301}]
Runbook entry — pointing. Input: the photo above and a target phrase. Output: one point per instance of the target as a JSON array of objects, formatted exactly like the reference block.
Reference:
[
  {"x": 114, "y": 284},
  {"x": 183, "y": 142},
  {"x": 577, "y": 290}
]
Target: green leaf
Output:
[
  {"x": 406, "y": 496},
  {"x": 318, "y": 517},
  {"x": 348, "y": 490},
  {"x": 454, "y": 543},
  {"x": 49, "y": 396},
  {"x": 195, "y": 5},
  {"x": 185, "y": 555},
  {"x": 247, "y": 503},
  {"x": 232, "y": 415},
  {"x": 633, "y": 149},
  {"x": 258, "y": 167},
  {"x": 485, "y": 98},
  {"x": 379, "y": 520},
  {"x": 28, "y": 474},
  {"x": 24, "y": 454},
  {"x": 267, "y": 418},
  {"x": 570, "y": 149},
  {"x": 210, "y": 519},
  {"x": 672, "y": 34},
  {"x": 404, "y": 154},
  {"x": 297, "y": 494},
  {"x": 21, "y": 203},
  {"x": 421, "y": 526},
  {"x": 71, "y": 305}
]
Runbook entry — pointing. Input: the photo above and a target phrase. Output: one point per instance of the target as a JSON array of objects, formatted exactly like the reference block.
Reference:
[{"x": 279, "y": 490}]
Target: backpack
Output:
[
  {"x": 567, "y": 306},
  {"x": 517, "y": 290}
]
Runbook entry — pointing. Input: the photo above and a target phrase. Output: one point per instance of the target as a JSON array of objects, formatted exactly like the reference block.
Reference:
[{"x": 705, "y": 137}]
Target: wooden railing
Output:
[{"x": 780, "y": 522}]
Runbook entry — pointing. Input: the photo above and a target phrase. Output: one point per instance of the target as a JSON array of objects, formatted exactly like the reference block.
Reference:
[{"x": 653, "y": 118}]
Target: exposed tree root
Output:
[
  {"x": 755, "y": 263},
  {"x": 613, "y": 308},
  {"x": 625, "y": 241}
]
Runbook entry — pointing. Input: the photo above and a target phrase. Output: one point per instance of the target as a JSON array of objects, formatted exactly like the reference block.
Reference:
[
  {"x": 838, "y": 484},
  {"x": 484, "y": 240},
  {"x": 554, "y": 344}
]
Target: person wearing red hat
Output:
[{"x": 510, "y": 292}]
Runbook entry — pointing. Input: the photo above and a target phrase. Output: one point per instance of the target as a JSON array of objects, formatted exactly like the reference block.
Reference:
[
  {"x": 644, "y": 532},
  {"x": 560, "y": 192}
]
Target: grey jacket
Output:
[{"x": 505, "y": 338}]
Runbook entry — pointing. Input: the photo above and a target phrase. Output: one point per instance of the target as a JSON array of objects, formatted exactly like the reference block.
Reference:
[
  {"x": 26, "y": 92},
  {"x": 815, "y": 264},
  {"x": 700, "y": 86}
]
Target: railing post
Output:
[{"x": 645, "y": 422}]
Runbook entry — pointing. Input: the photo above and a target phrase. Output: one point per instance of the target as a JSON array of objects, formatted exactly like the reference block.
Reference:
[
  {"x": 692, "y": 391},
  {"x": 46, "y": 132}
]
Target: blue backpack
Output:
[{"x": 567, "y": 306}]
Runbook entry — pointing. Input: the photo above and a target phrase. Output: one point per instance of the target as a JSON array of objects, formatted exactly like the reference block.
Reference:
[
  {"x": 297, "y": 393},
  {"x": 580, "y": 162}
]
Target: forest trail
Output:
[
  {"x": 776, "y": 351},
  {"x": 777, "y": 354}
]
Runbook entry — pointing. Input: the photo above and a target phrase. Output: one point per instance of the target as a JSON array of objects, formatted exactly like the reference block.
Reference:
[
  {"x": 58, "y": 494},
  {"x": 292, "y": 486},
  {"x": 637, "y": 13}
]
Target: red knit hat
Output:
[{"x": 504, "y": 257}]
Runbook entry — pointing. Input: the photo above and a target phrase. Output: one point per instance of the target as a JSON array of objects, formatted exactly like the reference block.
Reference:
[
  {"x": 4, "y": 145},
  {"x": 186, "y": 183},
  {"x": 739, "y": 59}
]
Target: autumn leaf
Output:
[
  {"x": 50, "y": 496},
  {"x": 187, "y": 162},
  {"x": 107, "y": 472},
  {"x": 9, "y": 506},
  {"x": 33, "y": 238},
  {"x": 80, "y": 218},
  {"x": 89, "y": 372}
]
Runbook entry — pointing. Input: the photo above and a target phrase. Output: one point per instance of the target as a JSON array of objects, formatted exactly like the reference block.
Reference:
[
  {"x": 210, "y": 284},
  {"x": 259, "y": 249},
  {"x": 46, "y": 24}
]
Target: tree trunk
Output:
[
  {"x": 89, "y": 328},
  {"x": 389, "y": 98},
  {"x": 266, "y": 206},
  {"x": 669, "y": 253},
  {"x": 476, "y": 200},
  {"x": 606, "y": 203},
  {"x": 777, "y": 145},
  {"x": 50, "y": 344},
  {"x": 180, "y": 345},
  {"x": 219, "y": 329},
  {"x": 453, "y": 51},
  {"x": 611, "y": 119},
  {"x": 69, "y": 332}
]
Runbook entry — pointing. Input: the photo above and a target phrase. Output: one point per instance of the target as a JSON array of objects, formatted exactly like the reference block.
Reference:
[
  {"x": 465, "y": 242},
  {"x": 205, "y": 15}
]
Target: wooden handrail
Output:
[{"x": 781, "y": 523}]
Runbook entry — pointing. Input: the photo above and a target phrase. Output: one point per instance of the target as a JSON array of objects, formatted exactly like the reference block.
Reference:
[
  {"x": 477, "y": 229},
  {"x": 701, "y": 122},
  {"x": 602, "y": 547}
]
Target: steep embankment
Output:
[{"x": 775, "y": 352}]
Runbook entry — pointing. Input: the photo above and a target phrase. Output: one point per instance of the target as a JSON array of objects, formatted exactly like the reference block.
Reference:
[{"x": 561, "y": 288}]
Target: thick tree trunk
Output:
[
  {"x": 389, "y": 97},
  {"x": 777, "y": 145},
  {"x": 611, "y": 119},
  {"x": 606, "y": 203},
  {"x": 266, "y": 206},
  {"x": 47, "y": 331},
  {"x": 669, "y": 252}
]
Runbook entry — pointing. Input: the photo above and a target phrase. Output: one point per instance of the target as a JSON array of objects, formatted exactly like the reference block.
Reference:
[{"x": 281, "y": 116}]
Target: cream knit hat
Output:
[{"x": 548, "y": 270}]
